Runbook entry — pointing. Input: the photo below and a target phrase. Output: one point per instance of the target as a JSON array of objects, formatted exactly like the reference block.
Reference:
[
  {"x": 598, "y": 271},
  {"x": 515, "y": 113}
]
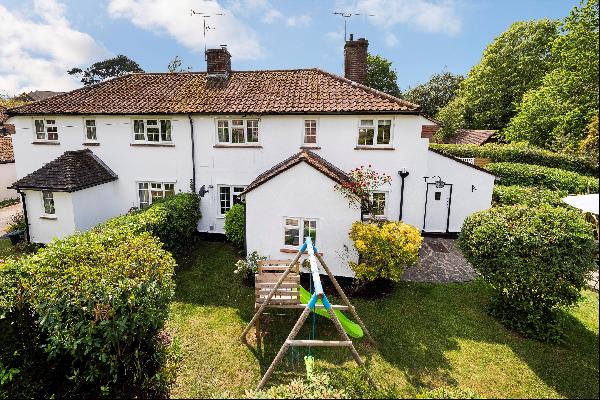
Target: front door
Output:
[{"x": 437, "y": 209}]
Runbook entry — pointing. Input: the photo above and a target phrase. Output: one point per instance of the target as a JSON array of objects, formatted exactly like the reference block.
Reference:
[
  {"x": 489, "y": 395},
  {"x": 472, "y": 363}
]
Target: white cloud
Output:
[
  {"x": 173, "y": 18},
  {"x": 391, "y": 40},
  {"x": 271, "y": 16},
  {"x": 298, "y": 21},
  {"x": 40, "y": 46},
  {"x": 267, "y": 13}
]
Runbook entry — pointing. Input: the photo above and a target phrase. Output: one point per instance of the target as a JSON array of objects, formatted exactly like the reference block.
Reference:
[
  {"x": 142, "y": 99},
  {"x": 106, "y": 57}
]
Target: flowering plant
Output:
[
  {"x": 249, "y": 266},
  {"x": 364, "y": 181}
]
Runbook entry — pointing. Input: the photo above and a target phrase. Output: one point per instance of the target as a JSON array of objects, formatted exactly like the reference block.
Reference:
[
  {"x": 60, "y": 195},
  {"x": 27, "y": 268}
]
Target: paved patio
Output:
[
  {"x": 6, "y": 214},
  {"x": 440, "y": 261}
]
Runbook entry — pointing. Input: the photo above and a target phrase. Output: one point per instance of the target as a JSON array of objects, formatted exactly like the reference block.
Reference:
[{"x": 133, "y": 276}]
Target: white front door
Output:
[{"x": 437, "y": 209}]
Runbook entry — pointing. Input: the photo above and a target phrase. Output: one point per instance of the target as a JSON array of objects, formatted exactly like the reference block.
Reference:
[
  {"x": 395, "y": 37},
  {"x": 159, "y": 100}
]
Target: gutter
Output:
[
  {"x": 193, "y": 184},
  {"x": 27, "y": 237}
]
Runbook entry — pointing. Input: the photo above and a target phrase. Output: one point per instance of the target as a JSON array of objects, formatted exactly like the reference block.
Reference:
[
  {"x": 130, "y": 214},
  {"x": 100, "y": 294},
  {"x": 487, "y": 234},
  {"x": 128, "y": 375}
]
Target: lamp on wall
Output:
[{"x": 403, "y": 174}]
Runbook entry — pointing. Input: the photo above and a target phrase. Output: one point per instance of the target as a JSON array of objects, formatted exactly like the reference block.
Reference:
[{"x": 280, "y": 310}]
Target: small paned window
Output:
[
  {"x": 46, "y": 129},
  {"x": 237, "y": 131},
  {"x": 368, "y": 128},
  {"x": 90, "y": 129},
  {"x": 152, "y": 130},
  {"x": 228, "y": 196},
  {"x": 48, "y": 199},
  {"x": 293, "y": 227},
  {"x": 150, "y": 192},
  {"x": 310, "y": 131}
]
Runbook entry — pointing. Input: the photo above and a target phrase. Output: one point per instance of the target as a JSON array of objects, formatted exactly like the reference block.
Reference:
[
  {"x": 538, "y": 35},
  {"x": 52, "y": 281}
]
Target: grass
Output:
[
  {"x": 8, "y": 202},
  {"x": 428, "y": 336}
]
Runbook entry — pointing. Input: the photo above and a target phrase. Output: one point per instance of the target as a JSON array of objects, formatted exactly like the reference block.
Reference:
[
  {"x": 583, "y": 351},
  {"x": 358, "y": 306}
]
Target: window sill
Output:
[
  {"x": 91, "y": 143},
  {"x": 48, "y": 216},
  {"x": 48, "y": 142},
  {"x": 310, "y": 147},
  {"x": 294, "y": 251},
  {"x": 152, "y": 144},
  {"x": 373, "y": 148},
  {"x": 235, "y": 146}
]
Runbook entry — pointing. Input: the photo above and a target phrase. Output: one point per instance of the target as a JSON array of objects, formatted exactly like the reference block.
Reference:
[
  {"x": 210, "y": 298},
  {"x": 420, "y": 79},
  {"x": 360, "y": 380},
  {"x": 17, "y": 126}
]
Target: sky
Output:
[{"x": 41, "y": 39}]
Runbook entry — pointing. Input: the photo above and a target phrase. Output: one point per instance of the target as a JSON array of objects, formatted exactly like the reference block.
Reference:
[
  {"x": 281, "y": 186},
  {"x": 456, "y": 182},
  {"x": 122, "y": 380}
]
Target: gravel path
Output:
[{"x": 6, "y": 214}]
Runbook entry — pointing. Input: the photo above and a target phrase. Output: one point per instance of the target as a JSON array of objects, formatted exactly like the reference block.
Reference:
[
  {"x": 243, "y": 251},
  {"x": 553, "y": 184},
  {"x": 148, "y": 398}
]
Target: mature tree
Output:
[
  {"x": 589, "y": 145},
  {"x": 106, "y": 69},
  {"x": 175, "y": 65},
  {"x": 8, "y": 101},
  {"x": 435, "y": 93},
  {"x": 381, "y": 76},
  {"x": 555, "y": 115},
  {"x": 513, "y": 63}
]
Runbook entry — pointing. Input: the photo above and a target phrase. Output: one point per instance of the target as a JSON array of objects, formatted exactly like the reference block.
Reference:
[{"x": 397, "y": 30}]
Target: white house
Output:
[
  {"x": 8, "y": 172},
  {"x": 218, "y": 132}
]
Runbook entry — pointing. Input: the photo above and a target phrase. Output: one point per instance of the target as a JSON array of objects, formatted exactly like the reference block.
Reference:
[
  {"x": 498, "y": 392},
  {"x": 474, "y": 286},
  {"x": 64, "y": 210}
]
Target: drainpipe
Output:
[
  {"x": 27, "y": 238},
  {"x": 403, "y": 174},
  {"x": 193, "y": 154}
]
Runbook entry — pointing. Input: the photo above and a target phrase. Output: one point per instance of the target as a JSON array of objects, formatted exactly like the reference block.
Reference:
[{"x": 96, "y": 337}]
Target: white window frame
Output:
[
  {"x": 304, "y": 143},
  {"x": 45, "y": 127},
  {"x": 149, "y": 189},
  {"x": 230, "y": 128},
  {"x": 385, "y": 203},
  {"x": 301, "y": 221},
  {"x": 232, "y": 194},
  {"x": 159, "y": 122},
  {"x": 85, "y": 130},
  {"x": 375, "y": 128},
  {"x": 52, "y": 211}
]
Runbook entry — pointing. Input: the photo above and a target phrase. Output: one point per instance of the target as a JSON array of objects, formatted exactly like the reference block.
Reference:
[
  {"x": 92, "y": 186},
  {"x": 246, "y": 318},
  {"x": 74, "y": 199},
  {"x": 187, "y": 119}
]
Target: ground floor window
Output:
[
  {"x": 377, "y": 207},
  {"x": 149, "y": 192},
  {"x": 293, "y": 227},
  {"x": 228, "y": 196},
  {"x": 48, "y": 200}
]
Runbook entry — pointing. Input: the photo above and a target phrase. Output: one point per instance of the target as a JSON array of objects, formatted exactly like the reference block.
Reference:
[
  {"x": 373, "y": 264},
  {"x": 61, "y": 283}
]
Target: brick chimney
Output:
[
  {"x": 355, "y": 59},
  {"x": 218, "y": 61}
]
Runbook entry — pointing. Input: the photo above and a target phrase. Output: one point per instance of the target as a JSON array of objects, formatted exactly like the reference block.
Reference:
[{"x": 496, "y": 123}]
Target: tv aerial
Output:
[
  {"x": 347, "y": 15},
  {"x": 205, "y": 26}
]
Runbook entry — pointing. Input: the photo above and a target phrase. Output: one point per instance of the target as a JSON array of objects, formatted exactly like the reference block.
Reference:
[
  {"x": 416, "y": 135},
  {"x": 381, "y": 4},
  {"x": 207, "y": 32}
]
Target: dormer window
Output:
[{"x": 46, "y": 129}]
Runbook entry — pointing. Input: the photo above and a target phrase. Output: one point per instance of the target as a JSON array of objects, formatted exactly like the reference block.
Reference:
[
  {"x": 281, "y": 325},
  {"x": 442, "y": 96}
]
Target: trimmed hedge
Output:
[
  {"x": 550, "y": 178},
  {"x": 235, "y": 224},
  {"x": 536, "y": 260},
  {"x": 530, "y": 196},
  {"x": 519, "y": 153}
]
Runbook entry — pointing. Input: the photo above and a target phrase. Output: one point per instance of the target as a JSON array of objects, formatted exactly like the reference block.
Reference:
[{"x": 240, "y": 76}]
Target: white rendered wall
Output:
[
  {"x": 42, "y": 229},
  {"x": 301, "y": 191},
  {"x": 8, "y": 176},
  {"x": 94, "y": 205},
  {"x": 465, "y": 199}
]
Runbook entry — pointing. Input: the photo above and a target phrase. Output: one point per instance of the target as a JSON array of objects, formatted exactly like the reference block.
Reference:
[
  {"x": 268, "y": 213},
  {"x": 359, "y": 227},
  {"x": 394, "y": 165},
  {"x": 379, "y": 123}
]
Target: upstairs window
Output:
[
  {"x": 152, "y": 130},
  {"x": 294, "y": 227},
  {"x": 368, "y": 128},
  {"x": 90, "y": 130},
  {"x": 310, "y": 131},
  {"x": 237, "y": 131},
  {"x": 149, "y": 192},
  {"x": 46, "y": 129},
  {"x": 48, "y": 201},
  {"x": 228, "y": 196}
]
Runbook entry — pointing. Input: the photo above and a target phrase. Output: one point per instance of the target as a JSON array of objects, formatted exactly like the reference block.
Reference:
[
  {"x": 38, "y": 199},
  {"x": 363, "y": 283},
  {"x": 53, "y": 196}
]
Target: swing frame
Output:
[{"x": 318, "y": 294}]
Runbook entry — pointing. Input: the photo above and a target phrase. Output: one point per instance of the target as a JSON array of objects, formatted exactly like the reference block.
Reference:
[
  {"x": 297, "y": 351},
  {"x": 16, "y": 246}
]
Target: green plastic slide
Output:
[{"x": 352, "y": 329}]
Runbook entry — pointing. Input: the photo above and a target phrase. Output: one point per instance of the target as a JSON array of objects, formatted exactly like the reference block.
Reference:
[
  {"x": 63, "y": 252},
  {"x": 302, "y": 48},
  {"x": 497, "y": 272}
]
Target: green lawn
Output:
[{"x": 428, "y": 335}]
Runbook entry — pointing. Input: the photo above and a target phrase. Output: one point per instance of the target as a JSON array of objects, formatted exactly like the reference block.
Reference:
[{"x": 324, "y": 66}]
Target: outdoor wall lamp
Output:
[{"x": 403, "y": 174}]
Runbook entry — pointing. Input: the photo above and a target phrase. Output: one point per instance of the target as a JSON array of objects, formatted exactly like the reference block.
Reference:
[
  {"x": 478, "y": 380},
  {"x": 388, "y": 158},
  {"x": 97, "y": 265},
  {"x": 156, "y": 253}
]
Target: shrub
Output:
[
  {"x": 249, "y": 265},
  {"x": 536, "y": 261},
  {"x": 530, "y": 196},
  {"x": 550, "y": 178},
  {"x": 384, "y": 249},
  {"x": 17, "y": 223},
  {"x": 522, "y": 153},
  {"x": 235, "y": 224}
]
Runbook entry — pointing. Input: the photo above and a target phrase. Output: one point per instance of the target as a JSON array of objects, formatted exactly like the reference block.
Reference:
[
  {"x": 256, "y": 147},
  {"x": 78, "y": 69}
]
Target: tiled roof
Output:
[
  {"x": 458, "y": 160},
  {"x": 471, "y": 136},
  {"x": 38, "y": 95},
  {"x": 5, "y": 129},
  {"x": 307, "y": 156},
  {"x": 429, "y": 131},
  {"x": 6, "y": 150},
  {"x": 261, "y": 92},
  {"x": 3, "y": 115},
  {"x": 74, "y": 170}
]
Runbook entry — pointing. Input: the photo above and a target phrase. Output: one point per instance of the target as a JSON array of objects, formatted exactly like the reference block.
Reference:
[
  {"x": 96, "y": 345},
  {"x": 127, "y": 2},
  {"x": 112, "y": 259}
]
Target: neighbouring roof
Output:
[
  {"x": 471, "y": 136},
  {"x": 5, "y": 129},
  {"x": 74, "y": 170},
  {"x": 38, "y": 95},
  {"x": 260, "y": 92},
  {"x": 6, "y": 150},
  {"x": 307, "y": 156},
  {"x": 429, "y": 131},
  {"x": 458, "y": 160}
]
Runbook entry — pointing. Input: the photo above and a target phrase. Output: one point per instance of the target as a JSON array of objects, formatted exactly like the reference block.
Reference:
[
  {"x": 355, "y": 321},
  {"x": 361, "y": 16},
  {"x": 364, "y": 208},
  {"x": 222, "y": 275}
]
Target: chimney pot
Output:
[
  {"x": 218, "y": 61},
  {"x": 355, "y": 59}
]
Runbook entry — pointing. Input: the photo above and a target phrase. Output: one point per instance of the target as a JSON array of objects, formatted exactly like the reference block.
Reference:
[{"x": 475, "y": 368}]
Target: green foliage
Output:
[
  {"x": 235, "y": 224},
  {"x": 589, "y": 145},
  {"x": 9, "y": 202},
  {"x": 522, "y": 153},
  {"x": 555, "y": 114},
  {"x": 448, "y": 393},
  {"x": 171, "y": 220},
  {"x": 536, "y": 260},
  {"x": 550, "y": 178},
  {"x": 452, "y": 117},
  {"x": 17, "y": 223},
  {"x": 175, "y": 65},
  {"x": 513, "y": 63},
  {"x": 529, "y": 196},
  {"x": 381, "y": 75},
  {"x": 435, "y": 93},
  {"x": 385, "y": 249},
  {"x": 106, "y": 69}
]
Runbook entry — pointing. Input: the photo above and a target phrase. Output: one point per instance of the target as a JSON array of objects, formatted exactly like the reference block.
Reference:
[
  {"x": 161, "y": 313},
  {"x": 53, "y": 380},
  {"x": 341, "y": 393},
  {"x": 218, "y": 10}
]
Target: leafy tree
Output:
[
  {"x": 589, "y": 145},
  {"x": 8, "y": 101},
  {"x": 175, "y": 65},
  {"x": 435, "y": 93},
  {"x": 106, "y": 69},
  {"x": 556, "y": 114},
  {"x": 513, "y": 63},
  {"x": 452, "y": 117},
  {"x": 381, "y": 76}
]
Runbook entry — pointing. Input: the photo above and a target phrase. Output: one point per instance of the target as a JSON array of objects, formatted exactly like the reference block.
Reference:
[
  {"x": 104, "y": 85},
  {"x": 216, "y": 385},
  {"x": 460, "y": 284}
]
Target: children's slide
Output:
[{"x": 352, "y": 329}]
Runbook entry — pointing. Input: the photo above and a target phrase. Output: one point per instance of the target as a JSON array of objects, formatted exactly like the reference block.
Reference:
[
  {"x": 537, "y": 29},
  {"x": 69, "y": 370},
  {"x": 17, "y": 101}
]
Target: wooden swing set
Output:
[{"x": 278, "y": 286}]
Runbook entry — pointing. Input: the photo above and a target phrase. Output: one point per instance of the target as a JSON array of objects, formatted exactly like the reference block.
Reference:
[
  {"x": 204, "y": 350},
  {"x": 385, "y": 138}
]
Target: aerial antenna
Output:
[
  {"x": 205, "y": 26},
  {"x": 347, "y": 15}
]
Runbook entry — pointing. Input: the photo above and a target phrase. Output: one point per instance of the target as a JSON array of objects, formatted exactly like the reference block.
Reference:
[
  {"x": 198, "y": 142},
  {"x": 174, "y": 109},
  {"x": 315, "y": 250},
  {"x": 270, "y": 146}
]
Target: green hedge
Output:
[
  {"x": 530, "y": 196},
  {"x": 235, "y": 224},
  {"x": 536, "y": 260},
  {"x": 550, "y": 178},
  {"x": 519, "y": 153}
]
